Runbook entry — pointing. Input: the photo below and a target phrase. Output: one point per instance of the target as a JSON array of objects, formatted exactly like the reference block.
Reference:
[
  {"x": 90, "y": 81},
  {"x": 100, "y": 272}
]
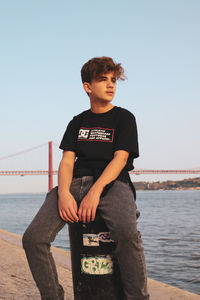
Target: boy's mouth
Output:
[{"x": 109, "y": 92}]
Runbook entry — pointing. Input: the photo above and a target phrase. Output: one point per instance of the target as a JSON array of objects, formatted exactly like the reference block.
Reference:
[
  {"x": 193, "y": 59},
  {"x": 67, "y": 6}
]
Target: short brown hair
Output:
[{"x": 101, "y": 65}]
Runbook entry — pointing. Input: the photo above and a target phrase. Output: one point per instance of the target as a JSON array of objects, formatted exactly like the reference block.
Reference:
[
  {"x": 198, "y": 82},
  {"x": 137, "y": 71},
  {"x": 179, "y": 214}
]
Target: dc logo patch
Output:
[{"x": 83, "y": 134}]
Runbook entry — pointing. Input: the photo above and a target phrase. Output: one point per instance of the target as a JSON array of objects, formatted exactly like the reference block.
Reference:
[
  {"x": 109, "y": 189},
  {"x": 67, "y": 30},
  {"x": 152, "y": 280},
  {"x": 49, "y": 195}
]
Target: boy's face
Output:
[{"x": 103, "y": 88}]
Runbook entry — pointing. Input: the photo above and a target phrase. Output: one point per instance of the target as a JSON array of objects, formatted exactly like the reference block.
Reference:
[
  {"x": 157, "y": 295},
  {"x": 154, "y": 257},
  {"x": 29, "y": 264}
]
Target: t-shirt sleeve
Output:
[
  {"x": 127, "y": 136},
  {"x": 69, "y": 139}
]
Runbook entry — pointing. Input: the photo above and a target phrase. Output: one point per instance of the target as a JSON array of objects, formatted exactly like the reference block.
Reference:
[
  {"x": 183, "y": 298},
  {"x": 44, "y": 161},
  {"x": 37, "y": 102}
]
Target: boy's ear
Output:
[{"x": 86, "y": 86}]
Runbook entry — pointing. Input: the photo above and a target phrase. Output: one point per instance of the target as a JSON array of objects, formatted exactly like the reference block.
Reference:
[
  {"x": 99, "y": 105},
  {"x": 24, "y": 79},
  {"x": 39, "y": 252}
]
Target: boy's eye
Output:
[
  {"x": 101, "y": 79},
  {"x": 105, "y": 79}
]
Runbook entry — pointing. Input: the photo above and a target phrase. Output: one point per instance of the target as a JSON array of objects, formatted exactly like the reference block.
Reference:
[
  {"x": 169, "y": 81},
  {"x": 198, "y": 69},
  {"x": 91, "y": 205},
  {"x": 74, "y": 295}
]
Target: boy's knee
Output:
[
  {"x": 29, "y": 239},
  {"x": 127, "y": 234}
]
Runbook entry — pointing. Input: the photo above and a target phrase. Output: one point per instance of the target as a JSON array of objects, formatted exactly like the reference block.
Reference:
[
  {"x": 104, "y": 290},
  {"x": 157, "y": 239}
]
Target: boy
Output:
[{"x": 99, "y": 146}]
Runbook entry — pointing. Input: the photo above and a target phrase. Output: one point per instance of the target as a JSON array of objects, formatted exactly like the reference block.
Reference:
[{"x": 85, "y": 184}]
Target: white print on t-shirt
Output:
[
  {"x": 96, "y": 134},
  {"x": 83, "y": 133}
]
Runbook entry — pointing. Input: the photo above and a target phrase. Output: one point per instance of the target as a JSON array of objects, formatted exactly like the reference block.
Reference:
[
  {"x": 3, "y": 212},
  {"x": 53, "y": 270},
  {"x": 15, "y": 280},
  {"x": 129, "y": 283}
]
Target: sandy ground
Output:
[{"x": 16, "y": 280}]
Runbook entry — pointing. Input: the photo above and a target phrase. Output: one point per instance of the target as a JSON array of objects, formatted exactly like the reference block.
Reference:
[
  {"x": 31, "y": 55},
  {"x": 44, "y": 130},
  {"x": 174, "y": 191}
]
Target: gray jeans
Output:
[{"x": 118, "y": 209}]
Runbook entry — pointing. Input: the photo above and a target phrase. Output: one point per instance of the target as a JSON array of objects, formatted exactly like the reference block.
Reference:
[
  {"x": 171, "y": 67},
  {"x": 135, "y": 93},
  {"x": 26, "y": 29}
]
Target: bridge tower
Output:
[{"x": 50, "y": 172}]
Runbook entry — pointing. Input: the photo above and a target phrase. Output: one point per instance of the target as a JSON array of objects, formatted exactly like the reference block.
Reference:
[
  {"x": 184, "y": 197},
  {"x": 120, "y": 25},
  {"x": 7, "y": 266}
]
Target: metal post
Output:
[{"x": 50, "y": 166}]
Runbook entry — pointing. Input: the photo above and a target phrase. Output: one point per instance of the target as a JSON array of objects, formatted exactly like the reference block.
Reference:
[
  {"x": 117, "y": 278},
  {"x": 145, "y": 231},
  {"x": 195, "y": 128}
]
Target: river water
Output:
[{"x": 169, "y": 222}]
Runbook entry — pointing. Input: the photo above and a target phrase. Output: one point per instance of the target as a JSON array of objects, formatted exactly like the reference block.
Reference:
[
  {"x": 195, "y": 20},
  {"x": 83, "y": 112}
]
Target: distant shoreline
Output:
[
  {"x": 177, "y": 189},
  {"x": 179, "y": 185}
]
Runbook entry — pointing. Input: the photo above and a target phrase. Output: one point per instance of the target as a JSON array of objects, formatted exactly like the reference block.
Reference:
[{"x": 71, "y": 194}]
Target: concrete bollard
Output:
[{"x": 95, "y": 269}]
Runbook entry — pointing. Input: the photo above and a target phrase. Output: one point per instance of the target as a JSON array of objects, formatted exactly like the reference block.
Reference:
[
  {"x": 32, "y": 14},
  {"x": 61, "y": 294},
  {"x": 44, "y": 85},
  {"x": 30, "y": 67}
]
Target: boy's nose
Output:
[{"x": 110, "y": 84}]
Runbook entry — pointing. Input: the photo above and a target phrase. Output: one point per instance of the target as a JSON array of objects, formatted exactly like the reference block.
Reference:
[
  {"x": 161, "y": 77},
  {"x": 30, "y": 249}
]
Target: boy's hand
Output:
[
  {"x": 88, "y": 206},
  {"x": 67, "y": 207}
]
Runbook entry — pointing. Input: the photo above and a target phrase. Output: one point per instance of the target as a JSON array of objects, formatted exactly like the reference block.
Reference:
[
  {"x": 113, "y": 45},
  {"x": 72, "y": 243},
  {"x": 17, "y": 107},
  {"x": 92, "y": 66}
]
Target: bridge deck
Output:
[{"x": 136, "y": 171}]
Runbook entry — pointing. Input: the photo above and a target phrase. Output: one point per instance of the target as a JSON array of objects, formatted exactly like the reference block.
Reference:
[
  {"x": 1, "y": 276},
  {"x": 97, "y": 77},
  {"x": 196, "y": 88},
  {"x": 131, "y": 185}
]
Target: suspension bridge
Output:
[{"x": 50, "y": 172}]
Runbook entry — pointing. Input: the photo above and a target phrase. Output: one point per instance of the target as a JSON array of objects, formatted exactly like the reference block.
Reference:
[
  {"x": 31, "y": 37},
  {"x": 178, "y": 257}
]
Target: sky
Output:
[{"x": 43, "y": 47}]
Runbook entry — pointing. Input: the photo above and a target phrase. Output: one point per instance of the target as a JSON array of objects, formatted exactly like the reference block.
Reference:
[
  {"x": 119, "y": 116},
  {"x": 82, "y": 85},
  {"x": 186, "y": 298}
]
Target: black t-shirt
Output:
[{"x": 95, "y": 137}]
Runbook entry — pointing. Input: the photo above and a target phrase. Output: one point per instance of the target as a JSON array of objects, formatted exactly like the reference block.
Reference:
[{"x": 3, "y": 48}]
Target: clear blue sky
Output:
[{"x": 43, "y": 47}]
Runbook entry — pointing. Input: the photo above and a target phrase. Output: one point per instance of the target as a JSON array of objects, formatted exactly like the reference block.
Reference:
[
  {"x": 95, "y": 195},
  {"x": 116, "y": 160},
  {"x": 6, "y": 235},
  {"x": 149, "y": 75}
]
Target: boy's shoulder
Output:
[
  {"x": 125, "y": 113},
  {"x": 81, "y": 115}
]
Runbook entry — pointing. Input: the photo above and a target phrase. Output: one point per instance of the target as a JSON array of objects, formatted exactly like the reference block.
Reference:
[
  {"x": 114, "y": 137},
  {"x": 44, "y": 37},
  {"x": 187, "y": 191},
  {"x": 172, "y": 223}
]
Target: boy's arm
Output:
[
  {"x": 66, "y": 203},
  {"x": 88, "y": 206}
]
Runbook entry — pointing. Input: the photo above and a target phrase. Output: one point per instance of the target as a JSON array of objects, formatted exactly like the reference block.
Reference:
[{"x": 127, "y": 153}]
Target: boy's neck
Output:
[{"x": 99, "y": 108}]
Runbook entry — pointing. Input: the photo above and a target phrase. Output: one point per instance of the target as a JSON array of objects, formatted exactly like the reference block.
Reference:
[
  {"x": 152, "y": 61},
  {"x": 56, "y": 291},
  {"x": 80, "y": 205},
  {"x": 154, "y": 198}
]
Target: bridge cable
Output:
[{"x": 21, "y": 152}]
